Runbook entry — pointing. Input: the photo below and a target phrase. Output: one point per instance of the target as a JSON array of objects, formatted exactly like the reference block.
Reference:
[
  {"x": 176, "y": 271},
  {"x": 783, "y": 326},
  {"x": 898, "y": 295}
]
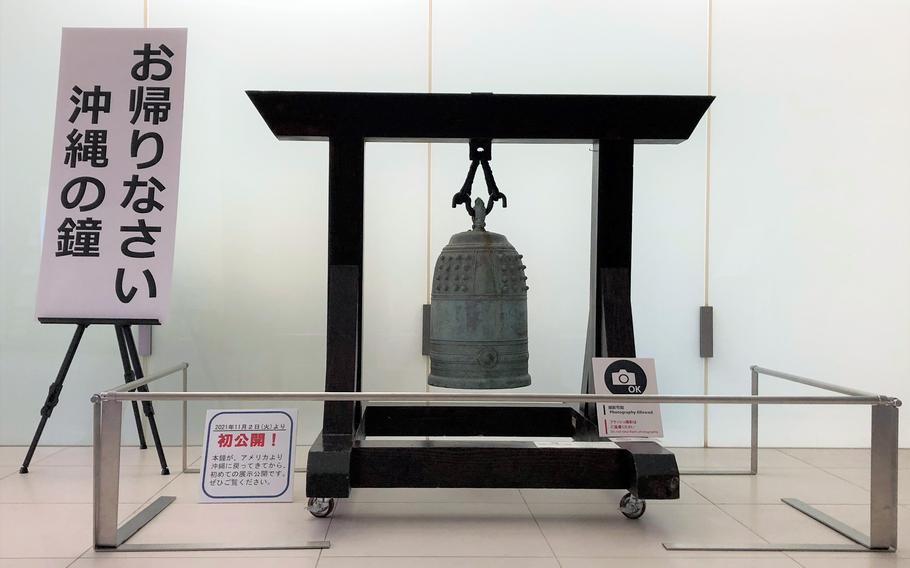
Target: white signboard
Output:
[
  {"x": 112, "y": 201},
  {"x": 248, "y": 455},
  {"x": 632, "y": 377}
]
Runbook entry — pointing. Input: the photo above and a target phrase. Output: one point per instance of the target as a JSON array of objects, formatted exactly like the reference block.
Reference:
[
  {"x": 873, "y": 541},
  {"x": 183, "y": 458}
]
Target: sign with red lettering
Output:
[{"x": 248, "y": 455}]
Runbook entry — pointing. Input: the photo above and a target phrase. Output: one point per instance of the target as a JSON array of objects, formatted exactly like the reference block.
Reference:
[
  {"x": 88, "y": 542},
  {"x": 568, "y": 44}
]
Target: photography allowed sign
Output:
[
  {"x": 248, "y": 456},
  {"x": 632, "y": 377}
]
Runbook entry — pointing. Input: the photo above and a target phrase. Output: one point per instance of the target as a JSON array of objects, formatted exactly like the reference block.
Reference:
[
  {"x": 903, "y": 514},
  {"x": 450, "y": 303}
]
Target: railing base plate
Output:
[
  {"x": 142, "y": 518},
  {"x": 861, "y": 540},
  {"x": 773, "y": 548},
  {"x": 190, "y": 547}
]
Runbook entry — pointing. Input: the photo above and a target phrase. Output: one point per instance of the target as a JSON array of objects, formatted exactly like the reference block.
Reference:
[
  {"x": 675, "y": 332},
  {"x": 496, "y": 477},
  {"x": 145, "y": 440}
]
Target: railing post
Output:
[
  {"x": 106, "y": 471},
  {"x": 753, "y": 453},
  {"x": 883, "y": 504},
  {"x": 183, "y": 432}
]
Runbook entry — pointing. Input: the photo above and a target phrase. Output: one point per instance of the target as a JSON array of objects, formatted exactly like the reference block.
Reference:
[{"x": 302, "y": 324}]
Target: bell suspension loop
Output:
[{"x": 480, "y": 155}]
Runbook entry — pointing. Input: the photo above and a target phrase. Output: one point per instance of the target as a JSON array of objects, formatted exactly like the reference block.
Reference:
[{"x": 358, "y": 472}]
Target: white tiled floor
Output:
[{"x": 45, "y": 518}]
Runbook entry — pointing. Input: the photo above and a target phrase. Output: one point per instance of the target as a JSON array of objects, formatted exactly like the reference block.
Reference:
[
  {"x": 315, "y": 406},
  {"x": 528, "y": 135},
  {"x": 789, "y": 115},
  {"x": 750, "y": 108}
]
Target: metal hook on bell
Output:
[{"x": 480, "y": 153}]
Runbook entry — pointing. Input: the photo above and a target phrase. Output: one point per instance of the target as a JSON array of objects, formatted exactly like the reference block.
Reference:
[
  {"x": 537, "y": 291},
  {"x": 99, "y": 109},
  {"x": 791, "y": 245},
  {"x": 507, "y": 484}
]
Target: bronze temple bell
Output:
[{"x": 479, "y": 300}]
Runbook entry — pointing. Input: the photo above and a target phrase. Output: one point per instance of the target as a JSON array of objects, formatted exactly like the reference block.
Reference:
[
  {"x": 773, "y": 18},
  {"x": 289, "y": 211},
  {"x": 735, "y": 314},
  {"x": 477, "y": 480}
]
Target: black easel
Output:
[
  {"x": 132, "y": 370},
  {"x": 128, "y": 356}
]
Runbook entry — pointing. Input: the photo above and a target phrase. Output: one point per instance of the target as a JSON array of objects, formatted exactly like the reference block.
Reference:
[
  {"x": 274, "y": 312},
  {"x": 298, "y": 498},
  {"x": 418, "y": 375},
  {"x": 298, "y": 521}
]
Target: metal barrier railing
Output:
[
  {"x": 182, "y": 369},
  {"x": 884, "y": 452},
  {"x": 757, "y": 372}
]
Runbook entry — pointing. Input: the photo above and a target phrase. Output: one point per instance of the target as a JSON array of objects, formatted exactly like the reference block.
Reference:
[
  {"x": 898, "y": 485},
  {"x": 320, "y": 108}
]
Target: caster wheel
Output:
[
  {"x": 631, "y": 506},
  {"x": 321, "y": 507}
]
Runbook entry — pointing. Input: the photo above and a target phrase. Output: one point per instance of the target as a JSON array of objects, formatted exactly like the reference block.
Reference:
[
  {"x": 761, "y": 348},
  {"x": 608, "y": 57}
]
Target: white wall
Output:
[
  {"x": 808, "y": 179},
  {"x": 810, "y": 201}
]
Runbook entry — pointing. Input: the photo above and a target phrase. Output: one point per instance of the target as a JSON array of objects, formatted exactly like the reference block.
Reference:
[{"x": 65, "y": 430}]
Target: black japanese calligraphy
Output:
[
  {"x": 143, "y": 204},
  {"x": 142, "y": 70},
  {"x": 79, "y": 238},
  {"x": 81, "y": 184},
  {"x": 95, "y": 102},
  {"x": 145, "y": 238},
  {"x": 93, "y": 149},
  {"x": 136, "y": 144},
  {"x": 127, "y": 297},
  {"x": 153, "y": 103}
]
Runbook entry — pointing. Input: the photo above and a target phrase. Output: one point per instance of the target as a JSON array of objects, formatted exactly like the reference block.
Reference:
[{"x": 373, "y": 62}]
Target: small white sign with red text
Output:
[{"x": 248, "y": 455}]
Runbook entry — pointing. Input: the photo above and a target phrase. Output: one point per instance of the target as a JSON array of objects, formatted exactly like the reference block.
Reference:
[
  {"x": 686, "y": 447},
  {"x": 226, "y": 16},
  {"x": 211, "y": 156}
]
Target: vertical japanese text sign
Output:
[{"x": 111, "y": 215}]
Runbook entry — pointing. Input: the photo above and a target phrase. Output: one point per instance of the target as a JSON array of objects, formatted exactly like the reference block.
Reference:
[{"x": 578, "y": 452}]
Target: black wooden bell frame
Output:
[{"x": 343, "y": 455}]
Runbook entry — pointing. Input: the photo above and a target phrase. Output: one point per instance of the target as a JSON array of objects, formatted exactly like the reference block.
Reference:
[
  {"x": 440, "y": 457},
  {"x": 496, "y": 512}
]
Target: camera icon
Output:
[{"x": 623, "y": 378}]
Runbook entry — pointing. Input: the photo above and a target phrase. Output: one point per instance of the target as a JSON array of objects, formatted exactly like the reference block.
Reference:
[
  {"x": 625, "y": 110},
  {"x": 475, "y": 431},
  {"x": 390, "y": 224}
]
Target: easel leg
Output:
[
  {"x": 53, "y": 394},
  {"x": 147, "y": 407},
  {"x": 129, "y": 377}
]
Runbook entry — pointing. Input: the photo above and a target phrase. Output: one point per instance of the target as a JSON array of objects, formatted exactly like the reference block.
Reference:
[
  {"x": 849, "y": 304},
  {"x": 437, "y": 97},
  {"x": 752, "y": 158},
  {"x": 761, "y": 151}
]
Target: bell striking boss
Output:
[{"x": 479, "y": 309}]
